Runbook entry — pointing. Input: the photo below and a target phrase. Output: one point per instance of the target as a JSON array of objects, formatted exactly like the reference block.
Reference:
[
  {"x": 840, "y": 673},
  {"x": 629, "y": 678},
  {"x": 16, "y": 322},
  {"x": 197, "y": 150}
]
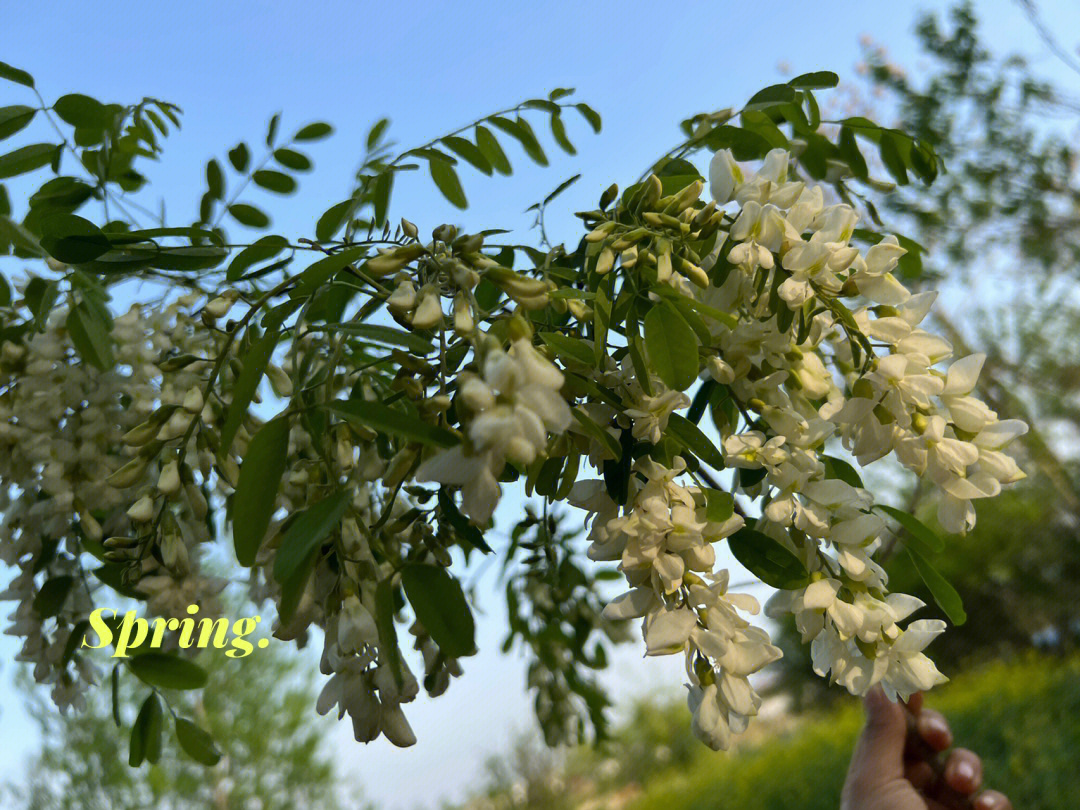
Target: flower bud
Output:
[
  {"x": 399, "y": 466},
  {"x": 121, "y": 542},
  {"x": 196, "y": 500},
  {"x": 142, "y": 511},
  {"x": 605, "y": 261},
  {"x": 220, "y": 306},
  {"x": 408, "y": 228},
  {"x": 169, "y": 480},
  {"x": 193, "y": 400},
  {"x": 230, "y": 471},
  {"x": 403, "y": 298},
  {"x": 463, "y": 317},
  {"x": 280, "y": 382},
  {"x": 429, "y": 312},
  {"x": 445, "y": 233},
  {"x": 141, "y": 434},
  {"x": 476, "y": 394},
  {"x": 175, "y": 554},
  {"x": 175, "y": 427},
  {"x": 128, "y": 475},
  {"x": 600, "y": 232},
  {"x": 721, "y": 371}
]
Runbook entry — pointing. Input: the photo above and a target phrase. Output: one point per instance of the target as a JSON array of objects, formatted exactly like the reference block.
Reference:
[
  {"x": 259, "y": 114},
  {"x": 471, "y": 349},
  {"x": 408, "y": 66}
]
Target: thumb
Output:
[{"x": 879, "y": 752}]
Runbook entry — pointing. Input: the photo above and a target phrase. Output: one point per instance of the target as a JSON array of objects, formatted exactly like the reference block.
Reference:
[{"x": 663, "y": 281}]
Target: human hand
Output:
[{"x": 889, "y": 771}]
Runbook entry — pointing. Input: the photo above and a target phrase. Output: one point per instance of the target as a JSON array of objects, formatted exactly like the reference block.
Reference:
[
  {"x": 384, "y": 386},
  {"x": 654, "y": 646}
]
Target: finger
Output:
[
  {"x": 992, "y": 800},
  {"x": 920, "y": 774},
  {"x": 963, "y": 771},
  {"x": 915, "y": 703},
  {"x": 934, "y": 729},
  {"x": 879, "y": 752}
]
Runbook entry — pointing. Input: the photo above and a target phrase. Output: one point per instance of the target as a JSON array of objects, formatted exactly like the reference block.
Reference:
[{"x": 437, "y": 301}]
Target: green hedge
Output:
[{"x": 1022, "y": 717}]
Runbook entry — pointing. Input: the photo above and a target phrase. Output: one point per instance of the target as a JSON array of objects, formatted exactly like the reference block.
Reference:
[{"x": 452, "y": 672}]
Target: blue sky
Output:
[{"x": 431, "y": 67}]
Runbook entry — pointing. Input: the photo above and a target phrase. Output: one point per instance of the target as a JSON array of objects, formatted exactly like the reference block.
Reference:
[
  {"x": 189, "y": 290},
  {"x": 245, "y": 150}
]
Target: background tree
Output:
[{"x": 274, "y": 751}]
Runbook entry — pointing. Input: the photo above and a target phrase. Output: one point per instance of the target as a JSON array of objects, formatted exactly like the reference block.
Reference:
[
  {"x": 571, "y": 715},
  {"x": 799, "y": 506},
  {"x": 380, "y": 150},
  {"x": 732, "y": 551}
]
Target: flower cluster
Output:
[
  {"x": 800, "y": 368},
  {"x": 66, "y": 432},
  {"x": 513, "y": 407}
]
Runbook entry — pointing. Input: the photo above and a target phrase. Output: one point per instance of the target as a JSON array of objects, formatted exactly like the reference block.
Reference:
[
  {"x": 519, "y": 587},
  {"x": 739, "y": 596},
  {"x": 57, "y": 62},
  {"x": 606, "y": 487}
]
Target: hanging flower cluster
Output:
[{"x": 409, "y": 380}]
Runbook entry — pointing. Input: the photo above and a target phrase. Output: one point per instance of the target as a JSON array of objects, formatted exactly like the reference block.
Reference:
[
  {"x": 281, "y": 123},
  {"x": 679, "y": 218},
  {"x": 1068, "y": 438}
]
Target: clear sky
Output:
[{"x": 432, "y": 67}]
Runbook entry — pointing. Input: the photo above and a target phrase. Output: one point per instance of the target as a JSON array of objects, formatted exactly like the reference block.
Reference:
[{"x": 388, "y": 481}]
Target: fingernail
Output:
[{"x": 965, "y": 771}]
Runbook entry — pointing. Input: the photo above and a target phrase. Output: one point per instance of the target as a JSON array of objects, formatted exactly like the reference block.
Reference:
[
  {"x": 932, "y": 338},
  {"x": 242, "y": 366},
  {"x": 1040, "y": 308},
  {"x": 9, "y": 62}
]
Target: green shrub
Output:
[{"x": 1022, "y": 717}]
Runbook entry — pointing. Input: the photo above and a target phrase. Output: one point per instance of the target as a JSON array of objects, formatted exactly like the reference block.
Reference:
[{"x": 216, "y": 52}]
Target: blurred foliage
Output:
[
  {"x": 273, "y": 748},
  {"x": 1009, "y": 712},
  {"x": 553, "y": 607}
]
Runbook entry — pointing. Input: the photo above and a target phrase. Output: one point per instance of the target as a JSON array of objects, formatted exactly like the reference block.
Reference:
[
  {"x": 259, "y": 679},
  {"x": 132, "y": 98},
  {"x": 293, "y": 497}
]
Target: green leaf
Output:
[
  {"x": 292, "y": 589},
  {"x": 598, "y": 433},
  {"x": 265, "y": 248},
  {"x": 491, "y": 150},
  {"x": 385, "y": 419},
  {"x": 249, "y": 215},
  {"x": 26, "y": 159},
  {"x": 672, "y": 347},
  {"x": 256, "y": 491},
  {"x": 313, "y": 132},
  {"x": 198, "y": 257},
  {"x": 460, "y": 524},
  {"x": 196, "y": 743},
  {"x": 82, "y": 111},
  {"x": 921, "y": 538},
  {"x": 770, "y": 97},
  {"x": 145, "y": 743},
  {"x": 818, "y": 80},
  {"x": 447, "y": 181},
  {"x": 167, "y": 671},
  {"x": 291, "y": 159},
  {"x": 524, "y": 134},
  {"x": 766, "y": 559},
  {"x": 253, "y": 364},
  {"x": 849, "y": 151},
  {"x": 316, "y": 274},
  {"x": 307, "y": 531},
  {"x": 215, "y": 179},
  {"x": 468, "y": 151},
  {"x": 590, "y": 115},
  {"x": 333, "y": 219},
  {"x": 90, "y": 336},
  {"x": 559, "y": 189},
  {"x": 693, "y": 439},
  {"x": 13, "y": 74},
  {"x": 838, "y": 468},
  {"x": 719, "y": 505},
  {"x": 380, "y": 194},
  {"x": 73, "y": 240},
  {"x": 239, "y": 156},
  {"x": 14, "y": 118},
  {"x": 385, "y": 334},
  {"x": 440, "y": 606},
  {"x": 271, "y": 128},
  {"x": 945, "y": 595},
  {"x": 569, "y": 347},
  {"x": 558, "y": 131},
  {"x": 376, "y": 131},
  {"x": 891, "y": 157},
  {"x": 278, "y": 182},
  {"x": 149, "y": 234},
  {"x": 49, "y": 601},
  {"x": 40, "y": 296}
]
